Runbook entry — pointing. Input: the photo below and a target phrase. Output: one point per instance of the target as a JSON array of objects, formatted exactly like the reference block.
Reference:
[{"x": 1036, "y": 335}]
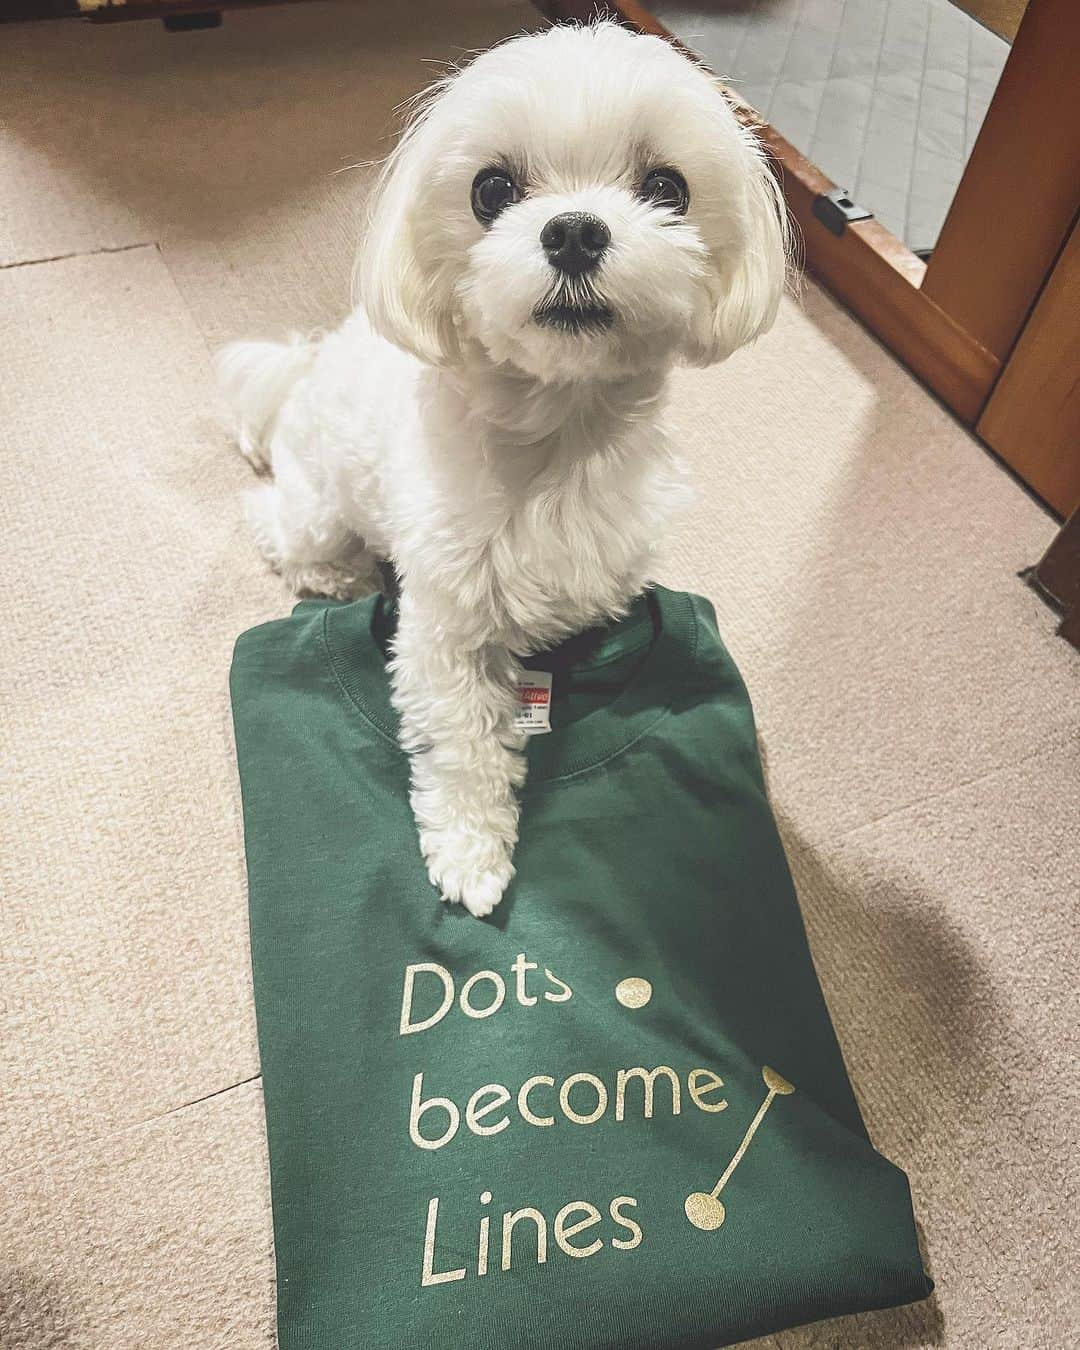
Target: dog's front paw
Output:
[{"x": 466, "y": 870}]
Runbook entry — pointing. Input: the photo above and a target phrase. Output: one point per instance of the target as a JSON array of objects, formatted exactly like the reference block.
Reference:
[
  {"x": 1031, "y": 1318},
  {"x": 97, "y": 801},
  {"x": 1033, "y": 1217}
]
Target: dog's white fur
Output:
[{"x": 519, "y": 477}]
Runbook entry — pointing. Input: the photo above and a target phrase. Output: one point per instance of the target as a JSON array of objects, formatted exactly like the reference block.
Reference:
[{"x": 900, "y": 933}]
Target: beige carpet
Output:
[{"x": 163, "y": 192}]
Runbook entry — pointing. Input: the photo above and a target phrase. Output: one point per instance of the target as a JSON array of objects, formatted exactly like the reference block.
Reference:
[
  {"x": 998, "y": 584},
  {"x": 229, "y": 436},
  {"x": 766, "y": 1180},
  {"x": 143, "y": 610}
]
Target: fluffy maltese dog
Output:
[{"x": 564, "y": 220}]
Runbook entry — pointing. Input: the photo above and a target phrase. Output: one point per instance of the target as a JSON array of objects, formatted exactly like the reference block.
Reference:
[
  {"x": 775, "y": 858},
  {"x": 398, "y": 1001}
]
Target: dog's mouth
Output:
[
  {"x": 567, "y": 318},
  {"x": 575, "y": 308}
]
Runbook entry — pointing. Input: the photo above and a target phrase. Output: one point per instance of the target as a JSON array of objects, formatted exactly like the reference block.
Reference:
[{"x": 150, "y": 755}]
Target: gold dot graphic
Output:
[
  {"x": 704, "y": 1211},
  {"x": 775, "y": 1083},
  {"x": 634, "y": 992}
]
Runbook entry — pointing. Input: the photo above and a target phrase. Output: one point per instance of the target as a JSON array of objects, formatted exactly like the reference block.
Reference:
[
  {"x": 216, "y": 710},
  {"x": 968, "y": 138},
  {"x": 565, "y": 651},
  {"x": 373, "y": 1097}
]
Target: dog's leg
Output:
[
  {"x": 305, "y": 540},
  {"x": 456, "y": 706}
]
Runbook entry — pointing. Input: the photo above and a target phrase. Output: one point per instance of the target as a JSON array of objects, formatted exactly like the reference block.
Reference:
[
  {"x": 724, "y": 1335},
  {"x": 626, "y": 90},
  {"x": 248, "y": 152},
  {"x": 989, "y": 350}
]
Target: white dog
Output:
[{"x": 564, "y": 219}]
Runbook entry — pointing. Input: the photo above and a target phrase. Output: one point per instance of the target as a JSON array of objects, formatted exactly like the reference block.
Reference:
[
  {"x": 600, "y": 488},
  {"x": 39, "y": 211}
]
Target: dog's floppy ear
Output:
[
  {"x": 397, "y": 278},
  {"x": 748, "y": 281}
]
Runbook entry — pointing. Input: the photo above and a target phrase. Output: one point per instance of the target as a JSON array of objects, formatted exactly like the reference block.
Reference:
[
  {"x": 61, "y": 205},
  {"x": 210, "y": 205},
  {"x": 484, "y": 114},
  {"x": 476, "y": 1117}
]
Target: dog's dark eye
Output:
[
  {"x": 666, "y": 187},
  {"x": 492, "y": 191}
]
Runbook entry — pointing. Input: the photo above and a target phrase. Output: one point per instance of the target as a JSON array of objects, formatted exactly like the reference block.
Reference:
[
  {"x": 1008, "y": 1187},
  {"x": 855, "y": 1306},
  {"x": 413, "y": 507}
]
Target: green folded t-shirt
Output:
[{"x": 613, "y": 1115}]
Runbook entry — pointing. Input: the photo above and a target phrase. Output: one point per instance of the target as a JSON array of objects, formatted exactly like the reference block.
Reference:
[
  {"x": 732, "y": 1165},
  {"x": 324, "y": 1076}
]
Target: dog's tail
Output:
[{"x": 256, "y": 378}]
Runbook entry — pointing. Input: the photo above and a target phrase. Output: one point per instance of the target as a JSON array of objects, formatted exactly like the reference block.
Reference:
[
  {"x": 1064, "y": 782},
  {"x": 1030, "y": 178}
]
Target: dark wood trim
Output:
[
  {"x": 871, "y": 271},
  {"x": 1058, "y": 577},
  {"x": 21, "y": 11},
  {"x": 1069, "y": 628},
  {"x": 1000, "y": 16},
  {"x": 1058, "y": 574},
  {"x": 160, "y": 9},
  {"x": 1020, "y": 191}
]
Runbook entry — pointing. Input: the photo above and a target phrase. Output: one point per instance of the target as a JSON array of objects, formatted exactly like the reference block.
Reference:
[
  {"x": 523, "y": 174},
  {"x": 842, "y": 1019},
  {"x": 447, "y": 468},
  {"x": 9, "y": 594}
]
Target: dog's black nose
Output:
[{"x": 575, "y": 241}]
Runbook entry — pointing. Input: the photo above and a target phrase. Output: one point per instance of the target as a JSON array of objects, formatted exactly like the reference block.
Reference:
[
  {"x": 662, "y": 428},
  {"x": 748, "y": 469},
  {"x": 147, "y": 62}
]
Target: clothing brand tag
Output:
[{"x": 533, "y": 714}]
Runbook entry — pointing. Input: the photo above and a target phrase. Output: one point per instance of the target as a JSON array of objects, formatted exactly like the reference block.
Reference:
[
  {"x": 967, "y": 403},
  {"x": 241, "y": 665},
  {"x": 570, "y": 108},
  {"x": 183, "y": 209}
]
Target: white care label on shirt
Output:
[{"x": 533, "y": 714}]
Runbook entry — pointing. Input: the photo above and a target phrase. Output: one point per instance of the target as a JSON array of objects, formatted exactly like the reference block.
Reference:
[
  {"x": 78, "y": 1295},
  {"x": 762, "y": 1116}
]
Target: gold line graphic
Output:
[{"x": 704, "y": 1209}]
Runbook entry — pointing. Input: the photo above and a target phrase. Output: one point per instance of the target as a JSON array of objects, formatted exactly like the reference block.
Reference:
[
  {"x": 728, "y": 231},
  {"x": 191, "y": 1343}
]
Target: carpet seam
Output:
[
  {"x": 1058, "y": 740},
  {"x": 78, "y": 253},
  {"x": 82, "y": 1145}
]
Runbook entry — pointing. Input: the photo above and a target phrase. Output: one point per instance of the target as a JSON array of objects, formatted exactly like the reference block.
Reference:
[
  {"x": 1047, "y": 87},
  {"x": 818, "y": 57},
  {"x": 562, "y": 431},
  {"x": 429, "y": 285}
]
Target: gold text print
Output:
[{"x": 704, "y": 1209}]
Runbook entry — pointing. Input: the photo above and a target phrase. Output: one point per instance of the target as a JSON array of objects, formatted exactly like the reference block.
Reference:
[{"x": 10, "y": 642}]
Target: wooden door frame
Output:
[
  {"x": 930, "y": 317},
  {"x": 1032, "y": 418},
  {"x": 1020, "y": 192}
]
